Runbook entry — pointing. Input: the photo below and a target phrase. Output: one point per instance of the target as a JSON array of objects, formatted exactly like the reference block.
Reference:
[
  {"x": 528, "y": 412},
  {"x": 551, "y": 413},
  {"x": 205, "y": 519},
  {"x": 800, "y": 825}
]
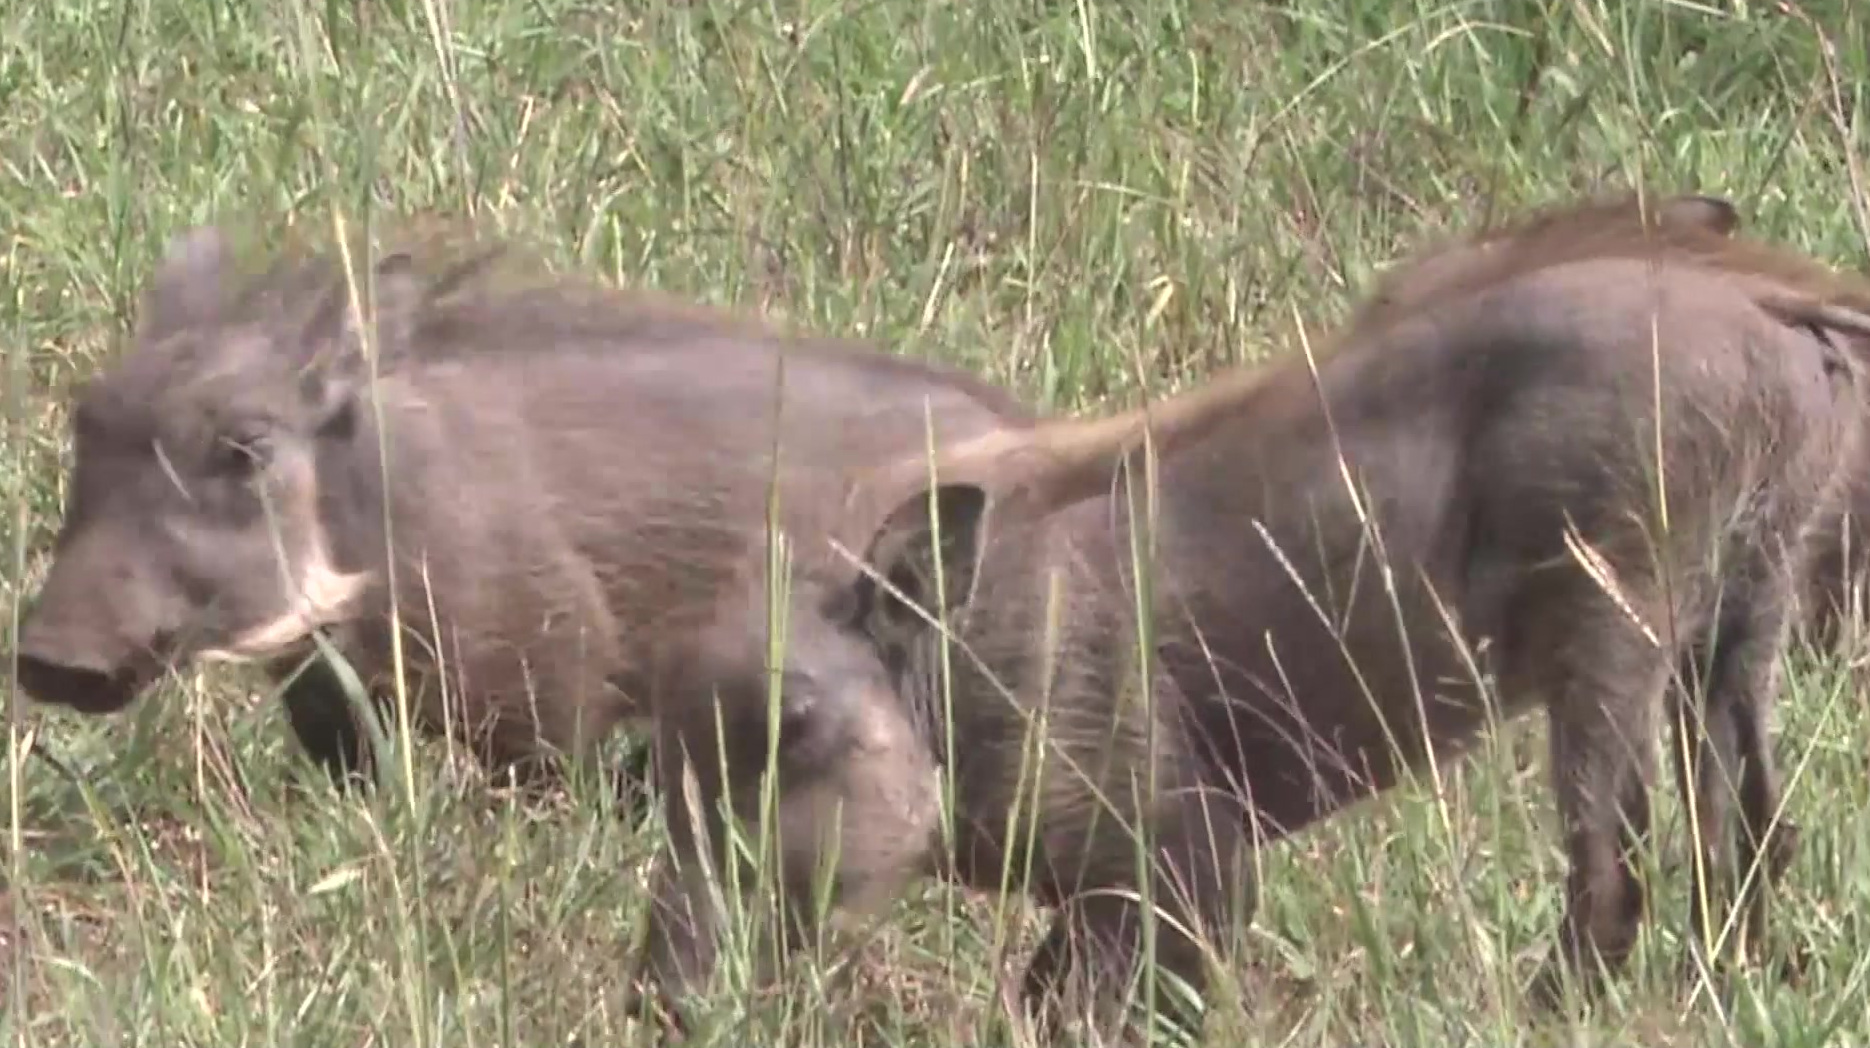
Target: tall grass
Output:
[{"x": 1082, "y": 200}]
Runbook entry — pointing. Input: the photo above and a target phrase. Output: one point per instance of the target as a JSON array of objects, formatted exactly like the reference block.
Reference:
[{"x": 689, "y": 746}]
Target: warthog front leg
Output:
[{"x": 324, "y": 722}]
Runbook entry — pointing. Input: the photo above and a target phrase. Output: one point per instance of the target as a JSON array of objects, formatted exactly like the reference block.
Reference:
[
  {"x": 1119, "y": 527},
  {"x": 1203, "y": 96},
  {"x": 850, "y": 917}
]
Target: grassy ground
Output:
[{"x": 1072, "y": 198}]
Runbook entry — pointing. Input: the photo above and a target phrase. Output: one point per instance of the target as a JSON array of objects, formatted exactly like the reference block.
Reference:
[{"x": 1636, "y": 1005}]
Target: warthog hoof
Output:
[{"x": 656, "y": 1010}]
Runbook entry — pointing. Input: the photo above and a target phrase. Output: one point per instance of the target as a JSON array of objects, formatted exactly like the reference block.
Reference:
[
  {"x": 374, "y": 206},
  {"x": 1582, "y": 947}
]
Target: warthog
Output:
[
  {"x": 1343, "y": 568},
  {"x": 570, "y": 470}
]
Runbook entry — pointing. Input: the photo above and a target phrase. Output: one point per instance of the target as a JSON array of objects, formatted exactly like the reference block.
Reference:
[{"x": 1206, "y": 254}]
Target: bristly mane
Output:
[
  {"x": 1069, "y": 459},
  {"x": 483, "y": 292},
  {"x": 479, "y": 291},
  {"x": 1621, "y": 227}
]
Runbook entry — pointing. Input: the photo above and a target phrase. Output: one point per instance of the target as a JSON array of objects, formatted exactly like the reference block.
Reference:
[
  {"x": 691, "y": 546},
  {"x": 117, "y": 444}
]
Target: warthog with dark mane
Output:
[
  {"x": 1344, "y": 568},
  {"x": 570, "y": 470}
]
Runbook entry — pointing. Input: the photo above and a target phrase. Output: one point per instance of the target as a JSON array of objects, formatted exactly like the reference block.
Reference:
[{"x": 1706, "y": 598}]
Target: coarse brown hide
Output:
[
  {"x": 1355, "y": 561},
  {"x": 571, "y": 470}
]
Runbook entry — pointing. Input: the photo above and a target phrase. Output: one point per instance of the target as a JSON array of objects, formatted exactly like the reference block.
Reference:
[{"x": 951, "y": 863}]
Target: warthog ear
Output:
[
  {"x": 904, "y": 551},
  {"x": 340, "y": 367},
  {"x": 394, "y": 296},
  {"x": 187, "y": 286},
  {"x": 1710, "y": 212}
]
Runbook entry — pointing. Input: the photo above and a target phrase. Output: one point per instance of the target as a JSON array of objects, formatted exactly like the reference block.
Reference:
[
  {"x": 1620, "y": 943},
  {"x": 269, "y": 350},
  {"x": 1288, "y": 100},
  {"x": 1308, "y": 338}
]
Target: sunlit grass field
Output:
[{"x": 1084, "y": 201}]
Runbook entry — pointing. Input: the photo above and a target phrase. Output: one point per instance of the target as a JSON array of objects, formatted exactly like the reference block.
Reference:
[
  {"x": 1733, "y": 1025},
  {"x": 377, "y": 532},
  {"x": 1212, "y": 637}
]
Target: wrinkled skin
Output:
[
  {"x": 571, "y": 471},
  {"x": 1495, "y": 430}
]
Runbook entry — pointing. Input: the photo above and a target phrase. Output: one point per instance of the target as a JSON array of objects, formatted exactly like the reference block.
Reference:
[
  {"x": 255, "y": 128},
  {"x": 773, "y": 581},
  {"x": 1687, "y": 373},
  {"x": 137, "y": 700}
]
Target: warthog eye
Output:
[
  {"x": 242, "y": 455},
  {"x": 908, "y": 582}
]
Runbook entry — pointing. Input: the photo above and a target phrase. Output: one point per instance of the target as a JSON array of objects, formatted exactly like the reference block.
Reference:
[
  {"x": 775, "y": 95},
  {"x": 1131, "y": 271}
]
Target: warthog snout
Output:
[{"x": 93, "y": 638}]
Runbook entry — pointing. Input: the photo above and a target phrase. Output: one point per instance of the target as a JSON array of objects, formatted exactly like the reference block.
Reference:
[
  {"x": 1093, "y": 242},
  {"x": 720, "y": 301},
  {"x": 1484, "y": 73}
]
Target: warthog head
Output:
[{"x": 192, "y": 527}]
